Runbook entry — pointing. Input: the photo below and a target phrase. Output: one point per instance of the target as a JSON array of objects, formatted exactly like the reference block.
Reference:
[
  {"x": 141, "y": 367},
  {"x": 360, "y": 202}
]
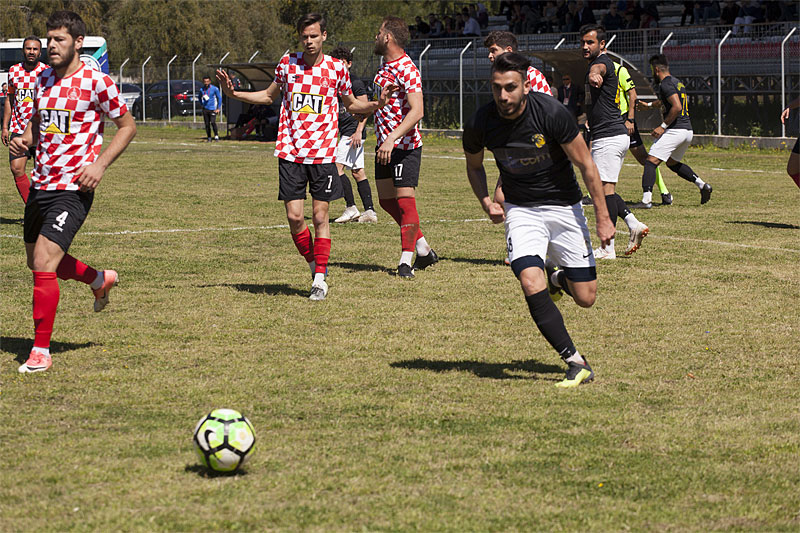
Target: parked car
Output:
[
  {"x": 129, "y": 93},
  {"x": 181, "y": 97}
]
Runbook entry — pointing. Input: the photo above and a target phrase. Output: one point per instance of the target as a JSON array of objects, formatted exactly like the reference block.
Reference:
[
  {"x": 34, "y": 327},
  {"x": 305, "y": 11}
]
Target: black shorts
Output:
[
  {"x": 322, "y": 180},
  {"x": 636, "y": 139},
  {"x": 796, "y": 148},
  {"x": 31, "y": 151},
  {"x": 58, "y": 215},
  {"x": 403, "y": 167}
]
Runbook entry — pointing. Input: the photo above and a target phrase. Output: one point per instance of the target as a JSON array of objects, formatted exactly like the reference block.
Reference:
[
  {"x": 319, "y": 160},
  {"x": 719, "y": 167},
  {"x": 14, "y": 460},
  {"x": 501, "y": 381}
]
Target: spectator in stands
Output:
[
  {"x": 571, "y": 21},
  {"x": 460, "y": 22},
  {"x": 471, "y": 26},
  {"x": 705, "y": 11},
  {"x": 585, "y": 15},
  {"x": 612, "y": 20},
  {"x": 562, "y": 11},
  {"x": 631, "y": 20},
  {"x": 483, "y": 15},
  {"x": 551, "y": 18},
  {"x": 650, "y": 15},
  {"x": 729, "y": 13},
  {"x": 437, "y": 28},
  {"x": 749, "y": 13},
  {"x": 531, "y": 20},
  {"x": 423, "y": 30},
  {"x": 571, "y": 95},
  {"x": 506, "y": 9},
  {"x": 688, "y": 12}
]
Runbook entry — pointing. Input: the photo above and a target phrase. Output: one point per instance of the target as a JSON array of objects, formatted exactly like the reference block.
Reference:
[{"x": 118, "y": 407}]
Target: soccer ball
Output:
[{"x": 224, "y": 440}]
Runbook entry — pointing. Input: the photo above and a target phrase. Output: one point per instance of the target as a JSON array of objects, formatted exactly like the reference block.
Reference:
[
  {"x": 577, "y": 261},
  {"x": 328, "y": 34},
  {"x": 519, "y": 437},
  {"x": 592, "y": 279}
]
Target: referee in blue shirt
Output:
[{"x": 212, "y": 105}]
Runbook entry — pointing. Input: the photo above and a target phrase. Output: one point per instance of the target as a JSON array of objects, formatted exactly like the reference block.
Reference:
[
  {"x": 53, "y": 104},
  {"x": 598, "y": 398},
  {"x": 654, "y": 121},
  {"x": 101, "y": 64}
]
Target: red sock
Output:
[
  {"x": 71, "y": 268},
  {"x": 305, "y": 244},
  {"x": 322, "y": 251},
  {"x": 409, "y": 226},
  {"x": 796, "y": 178},
  {"x": 45, "y": 302},
  {"x": 24, "y": 187},
  {"x": 391, "y": 206}
]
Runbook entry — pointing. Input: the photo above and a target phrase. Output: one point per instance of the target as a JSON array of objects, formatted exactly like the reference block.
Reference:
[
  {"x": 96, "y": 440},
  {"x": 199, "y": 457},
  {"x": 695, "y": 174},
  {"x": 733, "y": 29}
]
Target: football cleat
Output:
[
  {"x": 424, "y": 261},
  {"x": 705, "y": 194},
  {"x": 641, "y": 205},
  {"x": 110, "y": 279},
  {"x": 587, "y": 200},
  {"x": 368, "y": 216},
  {"x": 555, "y": 292},
  {"x": 351, "y": 213},
  {"x": 37, "y": 362},
  {"x": 666, "y": 199},
  {"x": 603, "y": 253},
  {"x": 319, "y": 290},
  {"x": 405, "y": 271},
  {"x": 637, "y": 235},
  {"x": 576, "y": 374}
]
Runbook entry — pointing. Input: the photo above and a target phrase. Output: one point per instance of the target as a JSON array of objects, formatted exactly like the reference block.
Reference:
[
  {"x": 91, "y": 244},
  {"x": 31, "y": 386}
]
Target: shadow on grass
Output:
[
  {"x": 202, "y": 471},
  {"x": 17, "y": 221},
  {"x": 776, "y": 225},
  {"x": 273, "y": 289},
  {"x": 361, "y": 267},
  {"x": 475, "y": 261},
  {"x": 481, "y": 368},
  {"x": 22, "y": 347}
]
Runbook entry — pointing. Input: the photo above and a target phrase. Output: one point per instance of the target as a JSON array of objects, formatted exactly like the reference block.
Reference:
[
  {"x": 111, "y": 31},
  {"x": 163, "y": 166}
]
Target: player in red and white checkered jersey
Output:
[
  {"x": 306, "y": 147},
  {"x": 19, "y": 107},
  {"x": 70, "y": 100},
  {"x": 399, "y": 145}
]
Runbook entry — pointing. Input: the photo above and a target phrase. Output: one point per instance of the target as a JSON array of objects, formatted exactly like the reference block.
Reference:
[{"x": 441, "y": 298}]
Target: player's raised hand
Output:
[
  {"x": 225, "y": 82},
  {"x": 595, "y": 79},
  {"x": 386, "y": 93},
  {"x": 89, "y": 177}
]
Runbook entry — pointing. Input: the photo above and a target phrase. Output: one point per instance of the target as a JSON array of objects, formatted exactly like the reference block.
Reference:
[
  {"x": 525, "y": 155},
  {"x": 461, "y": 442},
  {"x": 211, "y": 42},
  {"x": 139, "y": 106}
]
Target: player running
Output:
[
  {"x": 399, "y": 144},
  {"x": 673, "y": 136},
  {"x": 19, "y": 108},
  {"x": 533, "y": 138},
  {"x": 793, "y": 165},
  {"x": 610, "y": 139},
  {"x": 306, "y": 147},
  {"x": 68, "y": 105},
  {"x": 350, "y": 151}
]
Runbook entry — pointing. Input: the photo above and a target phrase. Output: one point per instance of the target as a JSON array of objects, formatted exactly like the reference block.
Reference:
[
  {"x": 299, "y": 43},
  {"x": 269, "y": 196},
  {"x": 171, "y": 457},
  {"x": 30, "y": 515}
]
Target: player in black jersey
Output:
[
  {"x": 350, "y": 150},
  {"x": 533, "y": 138},
  {"x": 673, "y": 136},
  {"x": 793, "y": 165},
  {"x": 610, "y": 137}
]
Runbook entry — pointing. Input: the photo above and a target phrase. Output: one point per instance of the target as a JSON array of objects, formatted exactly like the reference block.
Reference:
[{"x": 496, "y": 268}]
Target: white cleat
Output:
[
  {"x": 603, "y": 253},
  {"x": 368, "y": 216},
  {"x": 350, "y": 214},
  {"x": 637, "y": 236},
  {"x": 319, "y": 290}
]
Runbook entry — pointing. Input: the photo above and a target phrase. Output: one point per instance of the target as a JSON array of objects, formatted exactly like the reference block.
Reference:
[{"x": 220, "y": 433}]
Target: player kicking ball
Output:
[
  {"x": 310, "y": 82},
  {"x": 533, "y": 138},
  {"x": 69, "y": 102}
]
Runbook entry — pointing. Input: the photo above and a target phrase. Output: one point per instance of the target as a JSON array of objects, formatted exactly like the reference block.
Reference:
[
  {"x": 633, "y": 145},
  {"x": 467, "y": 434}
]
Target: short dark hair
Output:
[
  {"x": 340, "y": 52},
  {"x": 32, "y": 38},
  {"x": 503, "y": 39},
  {"x": 311, "y": 18},
  {"x": 206, "y": 77},
  {"x": 398, "y": 29},
  {"x": 69, "y": 20},
  {"x": 599, "y": 28},
  {"x": 512, "y": 61},
  {"x": 659, "y": 61}
]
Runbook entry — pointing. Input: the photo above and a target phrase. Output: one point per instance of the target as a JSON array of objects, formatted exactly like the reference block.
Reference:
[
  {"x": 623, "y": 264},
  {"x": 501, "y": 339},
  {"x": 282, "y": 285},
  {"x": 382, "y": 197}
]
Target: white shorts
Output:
[
  {"x": 673, "y": 143},
  {"x": 554, "y": 231},
  {"x": 348, "y": 156},
  {"x": 608, "y": 154}
]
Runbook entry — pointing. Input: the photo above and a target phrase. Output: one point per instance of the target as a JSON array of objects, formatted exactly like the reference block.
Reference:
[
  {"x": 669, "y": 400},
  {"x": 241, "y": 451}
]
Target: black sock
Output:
[
  {"x": 649, "y": 176},
  {"x": 683, "y": 171},
  {"x": 349, "y": 199},
  {"x": 366, "y": 194},
  {"x": 611, "y": 203},
  {"x": 562, "y": 281},
  {"x": 622, "y": 207},
  {"x": 550, "y": 322}
]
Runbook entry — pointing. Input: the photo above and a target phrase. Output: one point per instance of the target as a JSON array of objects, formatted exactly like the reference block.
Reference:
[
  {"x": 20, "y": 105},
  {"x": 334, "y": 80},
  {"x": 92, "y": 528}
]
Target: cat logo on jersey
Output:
[
  {"x": 55, "y": 121},
  {"x": 23, "y": 95},
  {"x": 538, "y": 140},
  {"x": 307, "y": 103}
]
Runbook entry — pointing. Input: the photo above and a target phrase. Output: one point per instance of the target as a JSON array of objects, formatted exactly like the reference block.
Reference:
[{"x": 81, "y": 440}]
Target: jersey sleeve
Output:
[
  {"x": 667, "y": 89},
  {"x": 411, "y": 80},
  {"x": 625, "y": 80},
  {"x": 280, "y": 71},
  {"x": 344, "y": 86},
  {"x": 473, "y": 136},
  {"x": 560, "y": 124},
  {"x": 109, "y": 99}
]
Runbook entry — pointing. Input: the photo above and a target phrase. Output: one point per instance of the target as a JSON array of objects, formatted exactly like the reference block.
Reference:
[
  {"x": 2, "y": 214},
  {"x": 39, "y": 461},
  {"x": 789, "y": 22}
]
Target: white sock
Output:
[
  {"x": 98, "y": 281},
  {"x": 575, "y": 358},
  {"x": 319, "y": 276},
  {"x": 405, "y": 257},
  {"x": 700, "y": 183},
  {"x": 45, "y": 351},
  {"x": 422, "y": 246},
  {"x": 647, "y": 197},
  {"x": 631, "y": 221}
]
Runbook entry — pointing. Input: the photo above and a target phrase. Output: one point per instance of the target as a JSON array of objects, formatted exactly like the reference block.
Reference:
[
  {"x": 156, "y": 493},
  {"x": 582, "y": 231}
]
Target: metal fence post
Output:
[
  {"x": 783, "y": 78},
  {"x": 144, "y": 95},
  {"x": 422, "y": 78},
  {"x": 119, "y": 78},
  {"x": 661, "y": 49},
  {"x": 194, "y": 96},
  {"x": 611, "y": 41},
  {"x": 556, "y": 47},
  {"x": 461, "y": 87},
  {"x": 223, "y": 57},
  {"x": 719, "y": 82},
  {"x": 169, "y": 91},
  {"x": 252, "y": 56}
]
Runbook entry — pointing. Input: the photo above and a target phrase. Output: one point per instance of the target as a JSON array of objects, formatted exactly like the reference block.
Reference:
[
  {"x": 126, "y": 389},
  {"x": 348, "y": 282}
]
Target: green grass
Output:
[{"x": 398, "y": 405}]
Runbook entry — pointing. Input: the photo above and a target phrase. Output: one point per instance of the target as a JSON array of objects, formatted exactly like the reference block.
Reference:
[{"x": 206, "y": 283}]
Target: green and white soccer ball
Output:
[{"x": 224, "y": 440}]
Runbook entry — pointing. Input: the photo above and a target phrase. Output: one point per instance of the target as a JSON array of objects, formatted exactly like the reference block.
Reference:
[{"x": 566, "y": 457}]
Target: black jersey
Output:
[
  {"x": 603, "y": 102},
  {"x": 347, "y": 122},
  {"x": 669, "y": 86},
  {"x": 534, "y": 168}
]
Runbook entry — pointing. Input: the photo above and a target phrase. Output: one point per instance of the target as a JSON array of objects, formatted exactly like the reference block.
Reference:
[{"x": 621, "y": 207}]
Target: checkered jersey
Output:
[
  {"x": 70, "y": 111},
  {"x": 309, "y": 120},
  {"x": 538, "y": 82},
  {"x": 21, "y": 84},
  {"x": 403, "y": 73}
]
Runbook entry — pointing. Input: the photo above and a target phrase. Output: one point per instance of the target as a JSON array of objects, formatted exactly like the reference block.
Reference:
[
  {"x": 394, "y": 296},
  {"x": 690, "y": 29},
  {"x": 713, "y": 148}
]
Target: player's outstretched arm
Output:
[
  {"x": 6, "y": 118},
  {"x": 89, "y": 177},
  {"x": 265, "y": 96},
  {"x": 596, "y": 74},
  {"x": 794, "y": 104},
  {"x": 579, "y": 155},
  {"x": 414, "y": 115},
  {"x": 477, "y": 180}
]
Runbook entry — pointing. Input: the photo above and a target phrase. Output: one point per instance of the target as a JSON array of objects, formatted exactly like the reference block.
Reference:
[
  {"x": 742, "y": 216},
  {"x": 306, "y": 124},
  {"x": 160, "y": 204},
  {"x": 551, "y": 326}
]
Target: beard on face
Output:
[
  {"x": 63, "y": 60},
  {"x": 380, "y": 48}
]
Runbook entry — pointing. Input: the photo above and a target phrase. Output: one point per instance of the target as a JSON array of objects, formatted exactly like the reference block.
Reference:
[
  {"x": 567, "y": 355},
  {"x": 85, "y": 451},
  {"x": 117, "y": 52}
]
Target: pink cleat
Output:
[
  {"x": 110, "y": 278},
  {"x": 37, "y": 362}
]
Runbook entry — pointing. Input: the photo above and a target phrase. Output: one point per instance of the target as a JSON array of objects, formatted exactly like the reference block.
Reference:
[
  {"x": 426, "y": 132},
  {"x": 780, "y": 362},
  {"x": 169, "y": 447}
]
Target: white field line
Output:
[{"x": 442, "y": 220}]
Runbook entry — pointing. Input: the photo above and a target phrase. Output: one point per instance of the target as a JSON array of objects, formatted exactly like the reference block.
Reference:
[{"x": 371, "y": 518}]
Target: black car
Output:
[{"x": 182, "y": 96}]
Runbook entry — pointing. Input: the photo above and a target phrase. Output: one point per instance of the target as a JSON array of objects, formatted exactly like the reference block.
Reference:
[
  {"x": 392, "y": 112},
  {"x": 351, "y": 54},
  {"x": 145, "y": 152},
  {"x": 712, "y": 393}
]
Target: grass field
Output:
[{"x": 398, "y": 405}]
